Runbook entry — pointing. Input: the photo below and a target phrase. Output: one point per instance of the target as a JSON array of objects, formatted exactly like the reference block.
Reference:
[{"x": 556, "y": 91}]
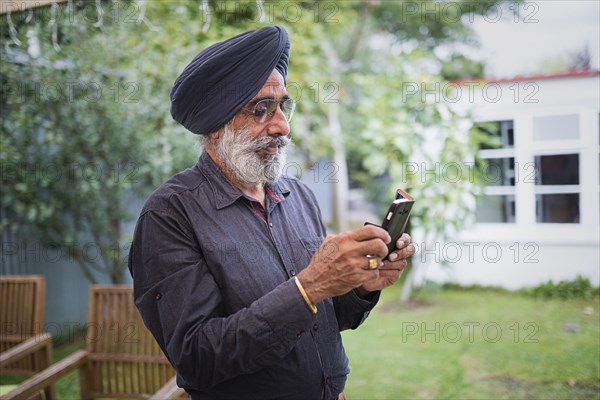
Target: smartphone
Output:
[{"x": 397, "y": 217}]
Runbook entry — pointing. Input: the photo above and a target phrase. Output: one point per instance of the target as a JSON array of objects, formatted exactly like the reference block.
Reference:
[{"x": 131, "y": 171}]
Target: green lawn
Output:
[
  {"x": 464, "y": 345},
  {"x": 67, "y": 388},
  {"x": 476, "y": 345}
]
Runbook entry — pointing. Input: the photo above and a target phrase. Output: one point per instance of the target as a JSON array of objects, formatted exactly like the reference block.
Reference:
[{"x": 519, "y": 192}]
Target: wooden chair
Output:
[
  {"x": 24, "y": 348},
  {"x": 122, "y": 359}
]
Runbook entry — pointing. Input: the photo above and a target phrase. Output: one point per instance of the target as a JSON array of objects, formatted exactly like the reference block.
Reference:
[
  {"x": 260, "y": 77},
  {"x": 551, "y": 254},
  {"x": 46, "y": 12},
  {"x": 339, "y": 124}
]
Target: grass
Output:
[
  {"x": 476, "y": 345},
  {"x": 67, "y": 388}
]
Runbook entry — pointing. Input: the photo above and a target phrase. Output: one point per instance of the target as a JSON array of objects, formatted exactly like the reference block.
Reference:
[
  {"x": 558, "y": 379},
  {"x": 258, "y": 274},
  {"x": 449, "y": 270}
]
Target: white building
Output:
[{"x": 540, "y": 216}]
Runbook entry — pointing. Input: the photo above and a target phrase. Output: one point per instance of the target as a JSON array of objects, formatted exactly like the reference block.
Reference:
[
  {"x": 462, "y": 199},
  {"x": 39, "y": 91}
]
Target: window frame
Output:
[{"x": 502, "y": 153}]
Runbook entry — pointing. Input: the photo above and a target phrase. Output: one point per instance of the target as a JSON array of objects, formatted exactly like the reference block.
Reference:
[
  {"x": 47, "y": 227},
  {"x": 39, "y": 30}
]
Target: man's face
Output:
[
  {"x": 253, "y": 153},
  {"x": 277, "y": 125}
]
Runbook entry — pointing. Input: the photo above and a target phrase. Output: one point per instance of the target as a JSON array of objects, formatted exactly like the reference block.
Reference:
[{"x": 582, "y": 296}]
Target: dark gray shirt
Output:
[{"x": 212, "y": 276}]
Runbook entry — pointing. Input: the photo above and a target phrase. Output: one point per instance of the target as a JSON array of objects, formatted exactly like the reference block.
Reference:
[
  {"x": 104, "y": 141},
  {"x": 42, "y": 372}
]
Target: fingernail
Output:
[{"x": 393, "y": 257}]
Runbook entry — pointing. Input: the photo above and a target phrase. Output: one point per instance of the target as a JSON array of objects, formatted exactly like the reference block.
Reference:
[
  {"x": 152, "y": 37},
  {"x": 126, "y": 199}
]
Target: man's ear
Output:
[
  {"x": 212, "y": 137},
  {"x": 215, "y": 136}
]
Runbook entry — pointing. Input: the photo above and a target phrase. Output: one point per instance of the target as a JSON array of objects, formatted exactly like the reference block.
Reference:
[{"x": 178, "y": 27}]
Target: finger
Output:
[
  {"x": 370, "y": 232},
  {"x": 405, "y": 252},
  {"x": 390, "y": 273},
  {"x": 408, "y": 251},
  {"x": 406, "y": 238},
  {"x": 373, "y": 275},
  {"x": 403, "y": 241},
  {"x": 373, "y": 247},
  {"x": 394, "y": 265}
]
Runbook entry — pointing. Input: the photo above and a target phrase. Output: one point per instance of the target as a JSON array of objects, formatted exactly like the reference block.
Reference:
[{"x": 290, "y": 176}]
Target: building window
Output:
[
  {"x": 556, "y": 127},
  {"x": 500, "y": 134},
  {"x": 557, "y": 169},
  {"x": 557, "y": 208},
  {"x": 495, "y": 208},
  {"x": 557, "y": 188},
  {"x": 496, "y": 169}
]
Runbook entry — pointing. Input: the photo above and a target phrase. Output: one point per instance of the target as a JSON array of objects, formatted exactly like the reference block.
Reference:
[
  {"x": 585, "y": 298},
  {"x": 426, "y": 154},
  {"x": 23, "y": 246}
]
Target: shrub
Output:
[{"x": 580, "y": 287}]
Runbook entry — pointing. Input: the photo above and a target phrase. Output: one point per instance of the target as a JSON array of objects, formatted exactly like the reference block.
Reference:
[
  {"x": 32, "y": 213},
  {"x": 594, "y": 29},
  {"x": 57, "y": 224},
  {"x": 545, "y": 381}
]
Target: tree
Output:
[
  {"x": 581, "y": 59},
  {"x": 86, "y": 132},
  {"x": 400, "y": 127},
  {"x": 78, "y": 145},
  {"x": 361, "y": 71},
  {"x": 576, "y": 60}
]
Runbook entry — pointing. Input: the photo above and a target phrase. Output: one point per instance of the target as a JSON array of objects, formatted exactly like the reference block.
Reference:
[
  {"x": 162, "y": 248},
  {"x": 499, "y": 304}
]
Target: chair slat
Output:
[
  {"x": 122, "y": 359},
  {"x": 126, "y": 357},
  {"x": 22, "y": 307}
]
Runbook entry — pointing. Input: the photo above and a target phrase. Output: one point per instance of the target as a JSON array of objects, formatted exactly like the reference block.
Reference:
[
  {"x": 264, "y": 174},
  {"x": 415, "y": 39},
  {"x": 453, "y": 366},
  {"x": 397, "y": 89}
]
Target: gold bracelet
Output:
[{"x": 306, "y": 299}]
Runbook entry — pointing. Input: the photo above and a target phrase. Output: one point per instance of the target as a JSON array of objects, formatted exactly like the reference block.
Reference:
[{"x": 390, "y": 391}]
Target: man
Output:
[{"x": 232, "y": 272}]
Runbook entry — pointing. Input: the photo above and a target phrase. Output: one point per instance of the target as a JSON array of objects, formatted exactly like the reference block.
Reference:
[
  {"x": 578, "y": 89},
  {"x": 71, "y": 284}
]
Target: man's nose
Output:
[{"x": 279, "y": 123}]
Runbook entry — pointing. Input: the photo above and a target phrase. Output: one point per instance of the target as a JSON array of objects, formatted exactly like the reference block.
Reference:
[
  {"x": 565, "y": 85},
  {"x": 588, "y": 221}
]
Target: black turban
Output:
[{"x": 222, "y": 78}]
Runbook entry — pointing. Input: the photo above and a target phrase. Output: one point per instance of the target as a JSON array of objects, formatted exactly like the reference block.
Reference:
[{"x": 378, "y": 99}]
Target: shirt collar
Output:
[{"x": 225, "y": 192}]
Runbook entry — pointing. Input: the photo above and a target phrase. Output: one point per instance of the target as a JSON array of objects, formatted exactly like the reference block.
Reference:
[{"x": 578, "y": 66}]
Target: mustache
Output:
[{"x": 264, "y": 142}]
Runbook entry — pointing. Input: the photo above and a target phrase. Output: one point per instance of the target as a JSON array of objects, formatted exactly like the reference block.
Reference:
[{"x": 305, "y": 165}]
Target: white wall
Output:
[{"x": 527, "y": 253}]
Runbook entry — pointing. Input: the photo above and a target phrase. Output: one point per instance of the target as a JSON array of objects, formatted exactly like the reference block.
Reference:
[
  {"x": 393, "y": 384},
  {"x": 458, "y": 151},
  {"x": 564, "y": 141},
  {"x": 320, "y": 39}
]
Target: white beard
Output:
[{"x": 239, "y": 155}]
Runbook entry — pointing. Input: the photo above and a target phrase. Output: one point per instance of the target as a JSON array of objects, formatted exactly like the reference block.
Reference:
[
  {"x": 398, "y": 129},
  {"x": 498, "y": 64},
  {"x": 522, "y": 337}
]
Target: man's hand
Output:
[
  {"x": 341, "y": 263},
  {"x": 392, "y": 268}
]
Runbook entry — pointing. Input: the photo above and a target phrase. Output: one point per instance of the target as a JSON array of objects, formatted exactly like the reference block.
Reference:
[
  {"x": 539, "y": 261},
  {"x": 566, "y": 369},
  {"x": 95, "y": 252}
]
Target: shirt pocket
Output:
[
  {"x": 303, "y": 250},
  {"x": 312, "y": 244}
]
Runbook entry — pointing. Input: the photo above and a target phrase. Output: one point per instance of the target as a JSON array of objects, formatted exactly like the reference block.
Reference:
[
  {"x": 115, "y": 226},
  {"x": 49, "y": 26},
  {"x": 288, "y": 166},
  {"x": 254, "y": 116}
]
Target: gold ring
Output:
[{"x": 373, "y": 263}]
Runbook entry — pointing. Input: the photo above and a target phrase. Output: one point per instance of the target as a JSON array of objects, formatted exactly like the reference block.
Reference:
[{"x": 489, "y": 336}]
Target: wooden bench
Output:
[
  {"x": 122, "y": 359},
  {"x": 24, "y": 348}
]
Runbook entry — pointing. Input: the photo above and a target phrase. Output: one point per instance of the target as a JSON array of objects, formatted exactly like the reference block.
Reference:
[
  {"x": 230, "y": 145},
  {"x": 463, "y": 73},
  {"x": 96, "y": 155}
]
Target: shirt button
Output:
[
  {"x": 158, "y": 296},
  {"x": 271, "y": 224},
  {"x": 327, "y": 380},
  {"x": 315, "y": 326},
  {"x": 292, "y": 272}
]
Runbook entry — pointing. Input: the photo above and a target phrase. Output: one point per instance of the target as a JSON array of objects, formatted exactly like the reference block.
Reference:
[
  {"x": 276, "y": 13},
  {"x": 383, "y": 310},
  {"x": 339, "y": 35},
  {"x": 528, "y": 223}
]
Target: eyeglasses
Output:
[{"x": 266, "y": 108}]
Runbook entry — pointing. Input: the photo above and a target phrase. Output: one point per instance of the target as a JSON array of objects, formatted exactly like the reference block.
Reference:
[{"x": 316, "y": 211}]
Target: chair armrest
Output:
[
  {"x": 41, "y": 380},
  {"x": 170, "y": 391},
  {"x": 24, "y": 349}
]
